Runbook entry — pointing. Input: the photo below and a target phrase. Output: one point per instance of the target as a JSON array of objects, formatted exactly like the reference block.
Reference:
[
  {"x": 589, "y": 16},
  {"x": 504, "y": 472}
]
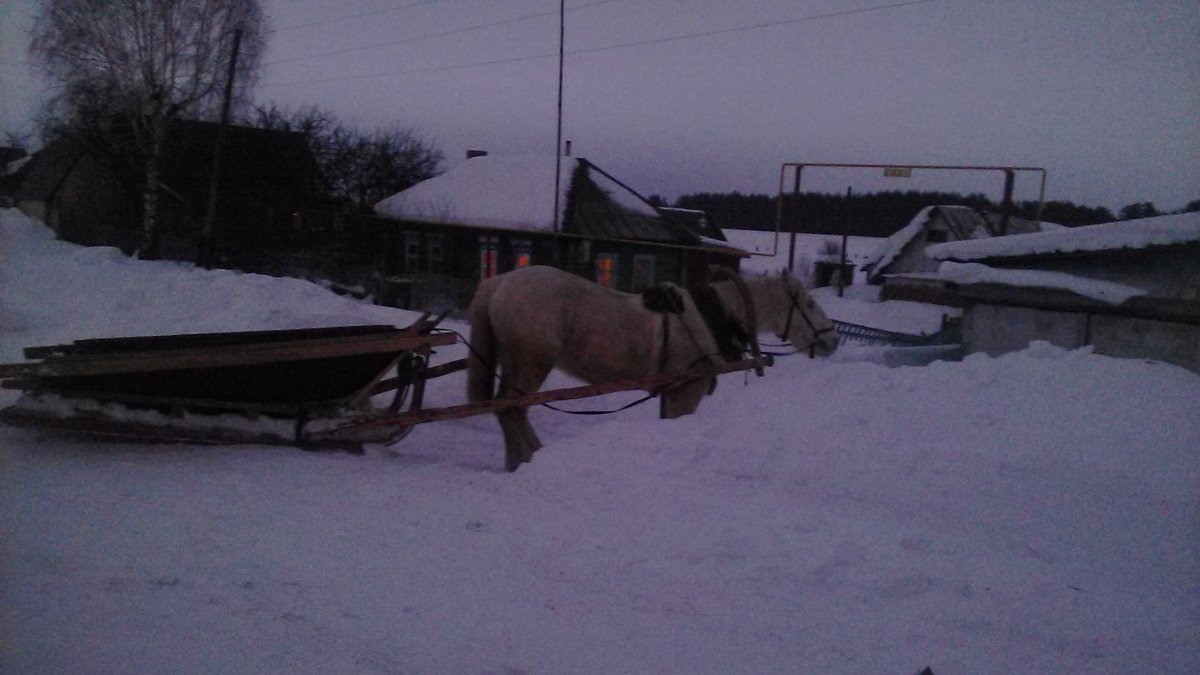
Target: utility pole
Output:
[
  {"x": 558, "y": 149},
  {"x": 845, "y": 238},
  {"x": 207, "y": 251}
]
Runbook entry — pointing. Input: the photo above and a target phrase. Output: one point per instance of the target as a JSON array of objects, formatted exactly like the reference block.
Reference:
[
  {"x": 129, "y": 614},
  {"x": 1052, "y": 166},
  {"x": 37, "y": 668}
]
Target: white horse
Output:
[{"x": 526, "y": 322}]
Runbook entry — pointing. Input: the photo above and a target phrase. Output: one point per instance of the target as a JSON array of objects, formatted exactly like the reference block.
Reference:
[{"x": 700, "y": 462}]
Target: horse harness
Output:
[{"x": 731, "y": 339}]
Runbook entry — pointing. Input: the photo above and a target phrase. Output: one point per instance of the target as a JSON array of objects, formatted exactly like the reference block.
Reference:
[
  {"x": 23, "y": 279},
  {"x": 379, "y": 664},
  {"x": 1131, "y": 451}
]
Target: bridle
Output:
[{"x": 811, "y": 347}]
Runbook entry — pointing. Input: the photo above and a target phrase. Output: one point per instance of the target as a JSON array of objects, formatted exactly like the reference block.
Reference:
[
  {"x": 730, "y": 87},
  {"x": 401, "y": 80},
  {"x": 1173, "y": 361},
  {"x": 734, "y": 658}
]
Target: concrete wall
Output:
[
  {"x": 998, "y": 329},
  {"x": 1129, "y": 337}
]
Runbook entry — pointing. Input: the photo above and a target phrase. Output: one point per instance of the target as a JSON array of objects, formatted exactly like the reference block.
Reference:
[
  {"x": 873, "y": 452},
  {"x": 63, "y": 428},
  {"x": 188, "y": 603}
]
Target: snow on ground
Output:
[
  {"x": 860, "y": 305},
  {"x": 1036, "y": 512},
  {"x": 859, "y": 250}
]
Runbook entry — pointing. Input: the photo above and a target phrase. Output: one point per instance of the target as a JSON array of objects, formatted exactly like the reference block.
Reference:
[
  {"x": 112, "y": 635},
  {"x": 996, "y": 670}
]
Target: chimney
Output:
[
  {"x": 567, "y": 149},
  {"x": 471, "y": 154}
]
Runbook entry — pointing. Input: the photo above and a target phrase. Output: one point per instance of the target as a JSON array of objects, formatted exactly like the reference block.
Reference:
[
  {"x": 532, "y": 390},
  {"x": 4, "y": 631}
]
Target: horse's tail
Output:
[{"x": 481, "y": 364}]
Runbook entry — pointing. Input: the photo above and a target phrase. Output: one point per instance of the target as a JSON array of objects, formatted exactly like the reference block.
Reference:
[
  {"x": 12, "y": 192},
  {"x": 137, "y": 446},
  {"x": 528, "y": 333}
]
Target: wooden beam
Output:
[
  {"x": 538, "y": 398},
  {"x": 234, "y": 355}
]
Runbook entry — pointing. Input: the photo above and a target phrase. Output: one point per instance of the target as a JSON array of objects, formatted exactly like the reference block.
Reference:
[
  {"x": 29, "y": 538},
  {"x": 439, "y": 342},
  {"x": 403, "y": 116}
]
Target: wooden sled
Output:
[
  {"x": 289, "y": 387},
  {"x": 312, "y": 388}
]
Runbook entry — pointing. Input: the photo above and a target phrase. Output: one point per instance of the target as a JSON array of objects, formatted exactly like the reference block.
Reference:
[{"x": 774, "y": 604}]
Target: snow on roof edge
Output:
[
  {"x": 1121, "y": 235},
  {"x": 977, "y": 273},
  {"x": 894, "y": 245}
]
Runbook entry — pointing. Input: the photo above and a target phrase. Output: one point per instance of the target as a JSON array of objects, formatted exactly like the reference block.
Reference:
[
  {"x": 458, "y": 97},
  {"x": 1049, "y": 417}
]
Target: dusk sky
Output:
[{"x": 682, "y": 96}]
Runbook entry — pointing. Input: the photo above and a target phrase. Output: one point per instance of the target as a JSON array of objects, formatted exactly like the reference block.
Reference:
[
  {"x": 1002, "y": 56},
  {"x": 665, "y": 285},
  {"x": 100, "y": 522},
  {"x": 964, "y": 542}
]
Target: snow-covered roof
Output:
[
  {"x": 513, "y": 192},
  {"x": 724, "y": 247},
  {"x": 15, "y": 165},
  {"x": 894, "y": 245},
  {"x": 976, "y": 273},
  {"x": 963, "y": 222},
  {"x": 1124, "y": 235}
]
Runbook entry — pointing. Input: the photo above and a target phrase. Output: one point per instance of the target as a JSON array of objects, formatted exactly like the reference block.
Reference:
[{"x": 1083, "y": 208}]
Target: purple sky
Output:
[{"x": 1104, "y": 94}]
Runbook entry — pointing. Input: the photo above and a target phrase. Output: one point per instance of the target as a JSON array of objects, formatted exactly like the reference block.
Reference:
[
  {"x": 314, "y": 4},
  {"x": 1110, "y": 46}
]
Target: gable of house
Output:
[{"x": 904, "y": 251}]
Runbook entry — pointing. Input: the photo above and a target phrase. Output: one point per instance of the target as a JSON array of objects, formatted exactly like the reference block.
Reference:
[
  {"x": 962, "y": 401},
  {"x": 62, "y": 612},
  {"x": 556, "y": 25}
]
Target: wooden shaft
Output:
[{"x": 538, "y": 398}]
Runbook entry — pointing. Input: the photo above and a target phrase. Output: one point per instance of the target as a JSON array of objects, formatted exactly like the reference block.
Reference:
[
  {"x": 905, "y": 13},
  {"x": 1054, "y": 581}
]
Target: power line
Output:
[
  {"x": 348, "y": 17},
  {"x": 592, "y": 50},
  {"x": 417, "y": 38}
]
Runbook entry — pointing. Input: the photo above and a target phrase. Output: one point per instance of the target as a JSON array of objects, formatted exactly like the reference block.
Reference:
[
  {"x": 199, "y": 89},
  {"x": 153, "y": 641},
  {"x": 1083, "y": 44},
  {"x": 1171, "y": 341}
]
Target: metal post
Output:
[
  {"x": 1006, "y": 206},
  {"x": 796, "y": 222},
  {"x": 558, "y": 150}
]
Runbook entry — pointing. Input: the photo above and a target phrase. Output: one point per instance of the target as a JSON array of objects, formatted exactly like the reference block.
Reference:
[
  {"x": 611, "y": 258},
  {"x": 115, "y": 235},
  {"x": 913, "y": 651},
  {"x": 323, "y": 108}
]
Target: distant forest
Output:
[{"x": 879, "y": 214}]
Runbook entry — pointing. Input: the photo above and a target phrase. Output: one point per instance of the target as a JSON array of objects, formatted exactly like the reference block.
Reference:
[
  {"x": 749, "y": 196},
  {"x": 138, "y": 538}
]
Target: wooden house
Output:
[
  {"x": 1129, "y": 289},
  {"x": 92, "y": 197},
  {"x": 904, "y": 251},
  {"x": 491, "y": 214}
]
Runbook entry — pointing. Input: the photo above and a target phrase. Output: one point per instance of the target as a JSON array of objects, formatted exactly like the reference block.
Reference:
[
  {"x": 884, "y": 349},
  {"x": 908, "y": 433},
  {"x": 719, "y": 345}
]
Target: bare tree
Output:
[
  {"x": 358, "y": 168},
  {"x": 146, "y": 63}
]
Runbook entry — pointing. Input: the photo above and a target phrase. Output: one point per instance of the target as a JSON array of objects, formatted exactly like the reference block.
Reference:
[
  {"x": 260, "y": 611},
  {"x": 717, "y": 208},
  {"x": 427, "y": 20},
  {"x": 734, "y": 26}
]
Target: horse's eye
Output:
[{"x": 811, "y": 304}]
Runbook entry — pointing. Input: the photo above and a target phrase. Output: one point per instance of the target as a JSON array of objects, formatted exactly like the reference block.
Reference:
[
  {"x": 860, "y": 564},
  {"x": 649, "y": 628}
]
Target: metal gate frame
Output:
[{"x": 902, "y": 170}]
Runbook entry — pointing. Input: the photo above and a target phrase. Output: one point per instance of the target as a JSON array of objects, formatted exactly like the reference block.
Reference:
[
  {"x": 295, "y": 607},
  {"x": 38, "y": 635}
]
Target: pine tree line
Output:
[{"x": 879, "y": 214}]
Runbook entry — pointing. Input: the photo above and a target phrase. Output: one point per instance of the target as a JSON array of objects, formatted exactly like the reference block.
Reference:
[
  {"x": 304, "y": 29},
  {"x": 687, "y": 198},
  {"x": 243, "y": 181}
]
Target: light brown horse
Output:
[
  {"x": 783, "y": 306},
  {"x": 531, "y": 320}
]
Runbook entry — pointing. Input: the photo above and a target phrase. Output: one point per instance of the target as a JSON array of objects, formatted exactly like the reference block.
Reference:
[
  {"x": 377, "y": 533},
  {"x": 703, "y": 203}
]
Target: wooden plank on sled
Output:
[
  {"x": 538, "y": 398},
  {"x": 84, "y": 364}
]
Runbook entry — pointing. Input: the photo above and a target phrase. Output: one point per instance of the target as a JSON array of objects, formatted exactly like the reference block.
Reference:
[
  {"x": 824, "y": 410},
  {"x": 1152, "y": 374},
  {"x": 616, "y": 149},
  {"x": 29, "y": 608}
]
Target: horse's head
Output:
[{"x": 805, "y": 325}]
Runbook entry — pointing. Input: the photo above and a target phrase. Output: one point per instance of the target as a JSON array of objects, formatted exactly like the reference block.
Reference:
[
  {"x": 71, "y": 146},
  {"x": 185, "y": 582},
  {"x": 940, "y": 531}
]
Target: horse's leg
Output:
[
  {"x": 516, "y": 444},
  {"x": 520, "y": 439}
]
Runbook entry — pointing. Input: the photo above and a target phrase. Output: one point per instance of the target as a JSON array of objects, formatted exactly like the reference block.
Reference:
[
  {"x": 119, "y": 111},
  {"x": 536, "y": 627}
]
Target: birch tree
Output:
[{"x": 146, "y": 63}]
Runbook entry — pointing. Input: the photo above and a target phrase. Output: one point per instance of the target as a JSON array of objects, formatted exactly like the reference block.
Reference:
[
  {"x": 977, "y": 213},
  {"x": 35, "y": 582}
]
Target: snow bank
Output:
[
  {"x": 51, "y": 292},
  {"x": 1037, "y": 512},
  {"x": 897, "y": 316}
]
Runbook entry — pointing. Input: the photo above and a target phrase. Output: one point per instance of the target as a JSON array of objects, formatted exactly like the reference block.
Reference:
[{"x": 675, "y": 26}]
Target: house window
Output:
[
  {"x": 412, "y": 252},
  {"x": 643, "y": 272},
  {"x": 434, "y": 252},
  {"x": 606, "y": 269},
  {"x": 522, "y": 253},
  {"x": 487, "y": 256}
]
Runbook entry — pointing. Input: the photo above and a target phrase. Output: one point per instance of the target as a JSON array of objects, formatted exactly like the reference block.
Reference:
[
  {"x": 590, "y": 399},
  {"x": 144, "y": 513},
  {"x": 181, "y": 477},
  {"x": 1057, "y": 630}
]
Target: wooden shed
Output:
[
  {"x": 491, "y": 214},
  {"x": 92, "y": 197},
  {"x": 904, "y": 251}
]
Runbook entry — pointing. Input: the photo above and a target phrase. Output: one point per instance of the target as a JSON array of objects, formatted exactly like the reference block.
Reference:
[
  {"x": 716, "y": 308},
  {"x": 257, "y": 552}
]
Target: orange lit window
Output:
[
  {"x": 522, "y": 253},
  {"x": 487, "y": 257},
  {"x": 606, "y": 269}
]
